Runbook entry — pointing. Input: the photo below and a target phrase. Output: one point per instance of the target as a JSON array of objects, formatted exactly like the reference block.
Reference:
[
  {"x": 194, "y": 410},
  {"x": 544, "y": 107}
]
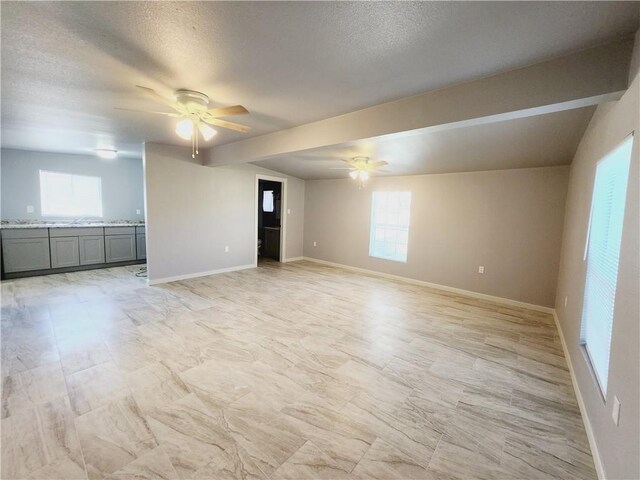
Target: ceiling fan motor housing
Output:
[{"x": 194, "y": 101}]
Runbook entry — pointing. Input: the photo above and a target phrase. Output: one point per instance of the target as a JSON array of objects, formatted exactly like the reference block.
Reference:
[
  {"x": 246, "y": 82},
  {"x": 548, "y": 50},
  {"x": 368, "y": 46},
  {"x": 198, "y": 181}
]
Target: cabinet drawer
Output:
[
  {"x": 25, "y": 233},
  {"x": 75, "y": 232},
  {"x": 120, "y": 248},
  {"x": 119, "y": 230},
  {"x": 24, "y": 254}
]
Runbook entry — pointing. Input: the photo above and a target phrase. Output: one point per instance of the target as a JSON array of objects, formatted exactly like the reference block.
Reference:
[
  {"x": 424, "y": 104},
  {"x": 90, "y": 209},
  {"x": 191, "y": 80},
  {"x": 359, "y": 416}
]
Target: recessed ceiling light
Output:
[{"x": 106, "y": 153}]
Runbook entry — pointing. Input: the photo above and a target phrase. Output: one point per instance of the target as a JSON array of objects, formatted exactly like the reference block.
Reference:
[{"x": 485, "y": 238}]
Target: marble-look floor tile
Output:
[
  {"x": 32, "y": 387},
  {"x": 385, "y": 462},
  {"x": 310, "y": 462},
  {"x": 268, "y": 436},
  {"x": 292, "y": 370},
  {"x": 95, "y": 386},
  {"x": 462, "y": 462},
  {"x": 113, "y": 436},
  {"x": 155, "y": 385},
  {"x": 40, "y": 437},
  {"x": 153, "y": 465}
]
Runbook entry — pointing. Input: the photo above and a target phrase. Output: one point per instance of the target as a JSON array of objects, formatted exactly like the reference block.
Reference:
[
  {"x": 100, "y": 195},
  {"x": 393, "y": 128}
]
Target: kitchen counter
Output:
[{"x": 71, "y": 225}]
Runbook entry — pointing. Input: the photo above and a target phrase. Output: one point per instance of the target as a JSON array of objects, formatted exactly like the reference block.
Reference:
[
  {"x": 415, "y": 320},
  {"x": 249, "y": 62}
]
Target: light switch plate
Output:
[
  {"x": 288, "y": 211},
  {"x": 481, "y": 269},
  {"x": 29, "y": 208},
  {"x": 615, "y": 412},
  {"x": 315, "y": 244},
  {"x": 138, "y": 211},
  {"x": 226, "y": 249},
  {"x": 565, "y": 302}
]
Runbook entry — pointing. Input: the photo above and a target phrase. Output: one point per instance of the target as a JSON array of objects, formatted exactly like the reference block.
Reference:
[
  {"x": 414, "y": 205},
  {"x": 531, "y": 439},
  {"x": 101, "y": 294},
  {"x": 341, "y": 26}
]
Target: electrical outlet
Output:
[
  {"x": 615, "y": 412},
  {"x": 565, "y": 301},
  {"x": 288, "y": 211},
  {"x": 226, "y": 249},
  {"x": 29, "y": 208},
  {"x": 481, "y": 269},
  {"x": 315, "y": 244},
  {"x": 138, "y": 211}
]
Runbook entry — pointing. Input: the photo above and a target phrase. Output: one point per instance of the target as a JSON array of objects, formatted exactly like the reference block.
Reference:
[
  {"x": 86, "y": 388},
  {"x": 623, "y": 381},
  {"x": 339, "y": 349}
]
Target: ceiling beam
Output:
[{"x": 581, "y": 79}]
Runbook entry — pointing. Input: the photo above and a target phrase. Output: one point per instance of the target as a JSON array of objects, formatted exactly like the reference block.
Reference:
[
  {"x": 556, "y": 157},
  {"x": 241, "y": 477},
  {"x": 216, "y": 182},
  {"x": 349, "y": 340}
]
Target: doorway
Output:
[{"x": 270, "y": 218}]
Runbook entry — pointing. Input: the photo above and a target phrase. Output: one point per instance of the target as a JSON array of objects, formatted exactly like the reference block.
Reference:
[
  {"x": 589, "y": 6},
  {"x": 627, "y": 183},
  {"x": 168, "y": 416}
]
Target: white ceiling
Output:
[
  {"x": 66, "y": 65},
  {"x": 537, "y": 141}
]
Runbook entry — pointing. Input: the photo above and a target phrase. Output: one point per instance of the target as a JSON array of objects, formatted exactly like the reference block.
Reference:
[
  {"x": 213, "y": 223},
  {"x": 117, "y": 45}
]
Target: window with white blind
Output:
[
  {"x": 390, "y": 225},
  {"x": 68, "y": 195},
  {"x": 602, "y": 254},
  {"x": 267, "y": 201}
]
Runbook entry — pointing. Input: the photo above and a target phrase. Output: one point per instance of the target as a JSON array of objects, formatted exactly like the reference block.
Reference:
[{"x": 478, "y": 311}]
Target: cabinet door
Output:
[
  {"x": 24, "y": 254},
  {"x": 120, "y": 248},
  {"x": 64, "y": 252},
  {"x": 141, "y": 245},
  {"x": 91, "y": 250}
]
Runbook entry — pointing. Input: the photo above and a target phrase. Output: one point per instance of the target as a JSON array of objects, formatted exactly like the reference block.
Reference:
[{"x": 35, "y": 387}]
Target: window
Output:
[
  {"x": 390, "y": 225},
  {"x": 67, "y": 195},
  {"x": 602, "y": 254},
  {"x": 267, "y": 201}
]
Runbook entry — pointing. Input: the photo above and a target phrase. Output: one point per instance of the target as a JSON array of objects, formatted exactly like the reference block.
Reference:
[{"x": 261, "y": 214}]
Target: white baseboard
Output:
[
  {"x": 482, "y": 296},
  {"x": 583, "y": 410},
  {"x": 292, "y": 259},
  {"x": 200, "y": 274}
]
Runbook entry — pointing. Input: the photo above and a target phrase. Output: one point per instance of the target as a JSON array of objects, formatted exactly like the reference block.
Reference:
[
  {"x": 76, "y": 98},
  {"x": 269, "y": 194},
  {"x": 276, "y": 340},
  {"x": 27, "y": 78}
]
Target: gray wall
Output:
[
  {"x": 194, "y": 211},
  {"x": 510, "y": 221},
  {"x": 122, "y": 182},
  {"x": 618, "y": 446}
]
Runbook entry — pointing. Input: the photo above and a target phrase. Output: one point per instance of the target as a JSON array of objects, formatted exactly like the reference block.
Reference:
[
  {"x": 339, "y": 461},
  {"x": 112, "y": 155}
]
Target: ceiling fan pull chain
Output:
[
  {"x": 195, "y": 133},
  {"x": 193, "y": 147}
]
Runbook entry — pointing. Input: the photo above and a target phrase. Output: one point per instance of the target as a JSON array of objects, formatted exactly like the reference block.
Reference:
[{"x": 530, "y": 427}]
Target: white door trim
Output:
[{"x": 283, "y": 215}]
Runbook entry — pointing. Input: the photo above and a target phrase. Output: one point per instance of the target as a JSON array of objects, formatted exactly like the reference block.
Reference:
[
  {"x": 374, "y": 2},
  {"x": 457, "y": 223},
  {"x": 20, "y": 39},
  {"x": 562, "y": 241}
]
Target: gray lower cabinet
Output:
[
  {"x": 92, "y": 250},
  {"x": 141, "y": 245},
  {"x": 65, "y": 252},
  {"x": 24, "y": 254},
  {"x": 120, "y": 248}
]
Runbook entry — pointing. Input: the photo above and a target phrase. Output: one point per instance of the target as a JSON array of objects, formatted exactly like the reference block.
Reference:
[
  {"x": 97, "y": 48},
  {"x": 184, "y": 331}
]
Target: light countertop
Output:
[{"x": 70, "y": 225}]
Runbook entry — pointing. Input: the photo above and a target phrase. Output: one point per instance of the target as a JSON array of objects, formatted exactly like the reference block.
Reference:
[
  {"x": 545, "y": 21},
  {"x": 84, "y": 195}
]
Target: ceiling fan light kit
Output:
[
  {"x": 195, "y": 116},
  {"x": 361, "y": 169}
]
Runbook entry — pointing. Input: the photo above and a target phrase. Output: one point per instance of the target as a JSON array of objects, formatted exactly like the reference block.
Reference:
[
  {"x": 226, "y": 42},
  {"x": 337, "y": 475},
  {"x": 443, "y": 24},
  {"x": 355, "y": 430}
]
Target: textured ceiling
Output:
[
  {"x": 538, "y": 141},
  {"x": 66, "y": 65}
]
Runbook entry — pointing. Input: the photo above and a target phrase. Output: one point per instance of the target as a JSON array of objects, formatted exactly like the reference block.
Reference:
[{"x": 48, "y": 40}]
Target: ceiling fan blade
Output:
[
  {"x": 228, "y": 111},
  {"x": 341, "y": 168},
  {"x": 157, "y": 96},
  {"x": 349, "y": 161},
  {"x": 168, "y": 114},
  {"x": 230, "y": 125},
  {"x": 379, "y": 163}
]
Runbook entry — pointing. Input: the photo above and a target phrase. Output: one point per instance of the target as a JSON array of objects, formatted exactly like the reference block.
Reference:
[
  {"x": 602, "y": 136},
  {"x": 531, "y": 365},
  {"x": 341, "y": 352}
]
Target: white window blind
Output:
[
  {"x": 390, "y": 225},
  {"x": 67, "y": 195},
  {"x": 602, "y": 255}
]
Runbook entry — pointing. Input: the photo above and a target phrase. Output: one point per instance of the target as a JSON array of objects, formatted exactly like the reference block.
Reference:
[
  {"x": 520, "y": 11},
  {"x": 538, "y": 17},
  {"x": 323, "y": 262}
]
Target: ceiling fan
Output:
[
  {"x": 361, "y": 168},
  {"x": 193, "y": 110}
]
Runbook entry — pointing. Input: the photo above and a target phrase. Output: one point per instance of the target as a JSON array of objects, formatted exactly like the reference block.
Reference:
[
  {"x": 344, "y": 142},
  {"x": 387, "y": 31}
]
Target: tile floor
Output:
[{"x": 293, "y": 371}]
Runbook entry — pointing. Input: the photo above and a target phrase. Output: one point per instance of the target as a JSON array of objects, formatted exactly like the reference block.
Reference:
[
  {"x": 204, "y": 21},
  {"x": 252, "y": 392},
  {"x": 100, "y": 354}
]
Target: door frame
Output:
[{"x": 283, "y": 215}]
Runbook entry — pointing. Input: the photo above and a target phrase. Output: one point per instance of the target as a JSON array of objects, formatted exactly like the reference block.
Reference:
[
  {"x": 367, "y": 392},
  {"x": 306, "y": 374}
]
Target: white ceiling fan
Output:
[
  {"x": 196, "y": 116},
  {"x": 361, "y": 168}
]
